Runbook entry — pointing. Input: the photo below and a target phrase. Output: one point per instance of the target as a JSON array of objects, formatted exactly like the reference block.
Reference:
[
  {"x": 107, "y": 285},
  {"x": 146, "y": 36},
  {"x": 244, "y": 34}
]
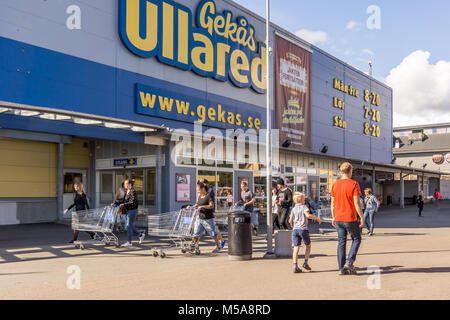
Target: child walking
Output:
[{"x": 299, "y": 223}]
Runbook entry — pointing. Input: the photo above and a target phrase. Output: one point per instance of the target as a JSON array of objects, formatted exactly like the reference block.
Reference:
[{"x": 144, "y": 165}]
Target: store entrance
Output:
[
  {"x": 222, "y": 182},
  {"x": 72, "y": 176},
  {"x": 144, "y": 184}
]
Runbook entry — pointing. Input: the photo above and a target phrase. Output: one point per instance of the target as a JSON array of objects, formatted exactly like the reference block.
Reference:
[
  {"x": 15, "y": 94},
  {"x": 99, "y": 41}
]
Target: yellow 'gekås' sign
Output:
[{"x": 220, "y": 47}]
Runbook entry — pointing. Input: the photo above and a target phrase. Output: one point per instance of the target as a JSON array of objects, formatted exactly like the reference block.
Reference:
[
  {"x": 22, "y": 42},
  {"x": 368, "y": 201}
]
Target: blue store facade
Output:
[{"x": 94, "y": 92}]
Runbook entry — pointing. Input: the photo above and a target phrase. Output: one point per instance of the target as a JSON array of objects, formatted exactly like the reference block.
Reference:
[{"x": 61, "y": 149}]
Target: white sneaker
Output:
[
  {"x": 216, "y": 249},
  {"x": 127, "y": 244},
  {"x": 141, "y": 237}
]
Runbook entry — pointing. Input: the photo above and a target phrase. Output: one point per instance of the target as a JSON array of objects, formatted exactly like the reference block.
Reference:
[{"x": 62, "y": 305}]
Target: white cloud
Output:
[
  {"x": 353, "y": 25},
  {"x": 313, "y": 37},
  {"x": 349, "y": 52},
  {"x": 421, "y": 90},
  {"x": 368, "y": 52}
]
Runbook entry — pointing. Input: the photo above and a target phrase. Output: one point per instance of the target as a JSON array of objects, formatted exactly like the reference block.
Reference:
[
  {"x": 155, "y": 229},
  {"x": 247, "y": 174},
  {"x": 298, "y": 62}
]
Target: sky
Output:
[{"x": 405, "y": 40}]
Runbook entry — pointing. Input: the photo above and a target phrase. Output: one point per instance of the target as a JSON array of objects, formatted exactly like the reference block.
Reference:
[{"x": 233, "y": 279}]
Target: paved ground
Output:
[{"x": 413, "y": 255}]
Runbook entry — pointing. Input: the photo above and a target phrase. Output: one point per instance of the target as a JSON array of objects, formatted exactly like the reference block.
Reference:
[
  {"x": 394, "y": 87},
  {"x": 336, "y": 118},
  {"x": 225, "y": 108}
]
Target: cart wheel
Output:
[
  {"x": 117, "y": 245},
  {"x": 163, "y": 254},
  {"x": 82, "y": 247},
  {"x": 155, "y": 253},
  {"x": 183, "y": 250},
  {"x": 197, "y": 252},
  {"x": 77, "y": 246}
]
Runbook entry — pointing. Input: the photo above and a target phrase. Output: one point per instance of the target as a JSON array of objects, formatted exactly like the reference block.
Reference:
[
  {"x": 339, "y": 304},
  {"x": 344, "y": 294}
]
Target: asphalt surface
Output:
[{"x": 411, "y": 256}]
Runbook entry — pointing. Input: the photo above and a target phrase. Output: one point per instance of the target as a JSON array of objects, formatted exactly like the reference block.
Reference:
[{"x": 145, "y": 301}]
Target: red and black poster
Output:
[{"x": 293, "y": 94}]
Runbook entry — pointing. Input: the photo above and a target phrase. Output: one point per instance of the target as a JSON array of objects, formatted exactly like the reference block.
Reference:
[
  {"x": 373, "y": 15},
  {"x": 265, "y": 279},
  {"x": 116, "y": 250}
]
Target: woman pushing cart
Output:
[{"x": 205, "y": 205}]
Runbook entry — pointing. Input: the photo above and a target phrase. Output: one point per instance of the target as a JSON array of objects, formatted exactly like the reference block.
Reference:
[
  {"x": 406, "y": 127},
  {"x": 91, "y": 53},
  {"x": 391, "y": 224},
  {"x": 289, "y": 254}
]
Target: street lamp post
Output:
[{"x": 268, "y": 137}]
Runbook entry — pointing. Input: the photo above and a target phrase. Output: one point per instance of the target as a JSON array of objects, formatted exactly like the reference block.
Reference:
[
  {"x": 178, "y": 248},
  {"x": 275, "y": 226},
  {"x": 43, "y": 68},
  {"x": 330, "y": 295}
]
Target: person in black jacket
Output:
[
  {"x": 284, "y": 200},
  {"x": 420, "y": 205},
  {"x": 80, "y": 203},
  {"x": 130, "y": 205}
]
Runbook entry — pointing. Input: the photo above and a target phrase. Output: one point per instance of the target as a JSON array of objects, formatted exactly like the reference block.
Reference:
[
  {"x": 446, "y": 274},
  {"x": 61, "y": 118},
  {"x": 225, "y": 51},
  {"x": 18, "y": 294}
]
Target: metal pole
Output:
[
  {"x": 374, "y": 180},
  {"x": 158, "y": 178},
  {"x": 402, "y": 191},
  {"x": 92, "y": 174},
  {"x": 59, "y": 200},
  {"x": 269, "y": 135}
]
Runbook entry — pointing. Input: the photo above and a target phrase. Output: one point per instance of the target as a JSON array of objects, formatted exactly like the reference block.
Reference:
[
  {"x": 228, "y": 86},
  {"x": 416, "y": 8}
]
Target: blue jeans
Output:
[
  {"x": 131, "y": 216},
  {"x": 203, "y": 225},
  {"x": 344, "y": 228},
  {"x": 369, "y": 216}
]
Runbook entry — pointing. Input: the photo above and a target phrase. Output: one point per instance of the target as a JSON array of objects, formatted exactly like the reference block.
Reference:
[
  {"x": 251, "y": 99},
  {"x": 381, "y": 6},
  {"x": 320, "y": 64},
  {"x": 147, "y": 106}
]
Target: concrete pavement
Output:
[{"x": 412, "y": 254}]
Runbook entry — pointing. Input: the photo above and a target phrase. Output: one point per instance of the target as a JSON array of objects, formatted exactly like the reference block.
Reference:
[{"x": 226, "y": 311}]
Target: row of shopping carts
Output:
[
  {"x": 179, "y": 227},
  {"x": 176, "y": 228}
]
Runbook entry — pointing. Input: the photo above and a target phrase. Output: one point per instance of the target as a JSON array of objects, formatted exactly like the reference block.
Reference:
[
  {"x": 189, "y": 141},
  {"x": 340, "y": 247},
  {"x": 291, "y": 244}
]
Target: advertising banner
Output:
[
  {"x": 183, "y": 187},
  {"x": 293, "y": 95}
]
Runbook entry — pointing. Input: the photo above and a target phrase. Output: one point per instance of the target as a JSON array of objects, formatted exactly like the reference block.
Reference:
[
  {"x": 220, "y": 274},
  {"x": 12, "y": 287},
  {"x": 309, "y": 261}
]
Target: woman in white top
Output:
[{"x": 275, "y": 208}]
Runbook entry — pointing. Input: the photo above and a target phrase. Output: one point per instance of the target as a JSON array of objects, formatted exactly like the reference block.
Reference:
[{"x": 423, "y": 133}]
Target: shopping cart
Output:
[
  {"x": 178, "y": 226},
  {"x": 121, "y": 222},
  {"x": 326, "y": 218},
  {"x": 99, "y": 221},
  {"x": 221, "y": 219},
  {"x": 140, "y": 223}
]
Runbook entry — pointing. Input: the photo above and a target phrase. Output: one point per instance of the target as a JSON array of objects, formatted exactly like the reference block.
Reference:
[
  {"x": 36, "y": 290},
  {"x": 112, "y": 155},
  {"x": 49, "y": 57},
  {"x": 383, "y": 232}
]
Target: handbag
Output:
[{"x": 122, "y": 210}]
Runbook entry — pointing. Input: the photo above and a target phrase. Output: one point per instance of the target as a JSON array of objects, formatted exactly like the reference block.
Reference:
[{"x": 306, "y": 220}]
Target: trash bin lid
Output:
[{"x": 239, "y": 213}]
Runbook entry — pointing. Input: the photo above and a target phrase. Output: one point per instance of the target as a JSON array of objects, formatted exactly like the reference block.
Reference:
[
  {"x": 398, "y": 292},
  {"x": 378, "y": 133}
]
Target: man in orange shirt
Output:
[{"x": 345, "y": 204}]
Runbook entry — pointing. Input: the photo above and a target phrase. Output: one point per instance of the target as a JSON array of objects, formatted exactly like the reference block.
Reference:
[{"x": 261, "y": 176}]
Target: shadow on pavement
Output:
[
  {"x": 402, "y": 269},
  {"x": 49, "y": 241},
  {"x": 418, "y": 270},
  {"x": 18, "y": 273}
]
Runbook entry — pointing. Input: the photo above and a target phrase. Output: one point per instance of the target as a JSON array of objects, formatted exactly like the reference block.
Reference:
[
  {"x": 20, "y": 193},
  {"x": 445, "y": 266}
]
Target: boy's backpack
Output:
[{"x": 420, "y": 203}]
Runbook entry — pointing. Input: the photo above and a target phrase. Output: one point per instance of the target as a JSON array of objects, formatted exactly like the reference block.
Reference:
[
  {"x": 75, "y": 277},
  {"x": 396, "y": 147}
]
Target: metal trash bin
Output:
[{"x": 239, "y": 235}]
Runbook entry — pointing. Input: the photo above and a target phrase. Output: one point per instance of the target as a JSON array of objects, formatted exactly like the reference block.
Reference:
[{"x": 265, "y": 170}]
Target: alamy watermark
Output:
[
  {"x": 73, "y": 281},
  {"x": 214, "y": 146},
  {"x": 73, "y": 21},
  {"x": 374, "y": 19},
  {"x": 374, "y": 280}
]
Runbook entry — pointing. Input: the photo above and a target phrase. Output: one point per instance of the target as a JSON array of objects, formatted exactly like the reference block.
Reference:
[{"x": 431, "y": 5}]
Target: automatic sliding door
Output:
[
  {"x": 138, "y": 177},
  {"x": 150, "y": 192},
  {"x": 106, "y": 188},
  {"x": 224, "y": 190}
]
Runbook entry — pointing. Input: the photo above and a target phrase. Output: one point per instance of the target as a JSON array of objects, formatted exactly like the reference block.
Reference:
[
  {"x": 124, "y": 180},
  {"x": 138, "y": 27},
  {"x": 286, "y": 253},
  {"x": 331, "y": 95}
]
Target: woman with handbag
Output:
[
  {"x": 130, "y": 206},
  {"x": 80, "y": 203},
  {"x": 119, "y": 198}
]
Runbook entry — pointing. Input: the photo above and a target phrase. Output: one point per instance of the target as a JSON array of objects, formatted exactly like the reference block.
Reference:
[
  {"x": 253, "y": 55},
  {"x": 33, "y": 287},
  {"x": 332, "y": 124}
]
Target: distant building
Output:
[{"x": 425, "y": 147}]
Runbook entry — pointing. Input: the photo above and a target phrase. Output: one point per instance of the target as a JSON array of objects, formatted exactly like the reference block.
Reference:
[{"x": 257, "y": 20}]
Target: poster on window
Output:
[
  {"x": 183, "y": 187},
  {"x": 293, "y": 95}
]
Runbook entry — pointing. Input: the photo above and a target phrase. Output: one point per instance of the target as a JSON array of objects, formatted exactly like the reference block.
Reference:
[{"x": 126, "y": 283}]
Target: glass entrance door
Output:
[
  {"x": 72, "y": 176},
  {"x": 119, "y": 177},
  {"x": 106, "y": 193},
  {"x": 144, "y": 184},
  {"x": 222, "y": 183},
  {"x": 150, "y": 190},
  {"x": 138, "y": 177},
  {"x": 224, "y": 190}
]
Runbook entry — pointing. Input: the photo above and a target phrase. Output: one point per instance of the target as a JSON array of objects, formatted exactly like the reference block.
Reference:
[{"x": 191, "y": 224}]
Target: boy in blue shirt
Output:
[{"x": 299, "y": 223}]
